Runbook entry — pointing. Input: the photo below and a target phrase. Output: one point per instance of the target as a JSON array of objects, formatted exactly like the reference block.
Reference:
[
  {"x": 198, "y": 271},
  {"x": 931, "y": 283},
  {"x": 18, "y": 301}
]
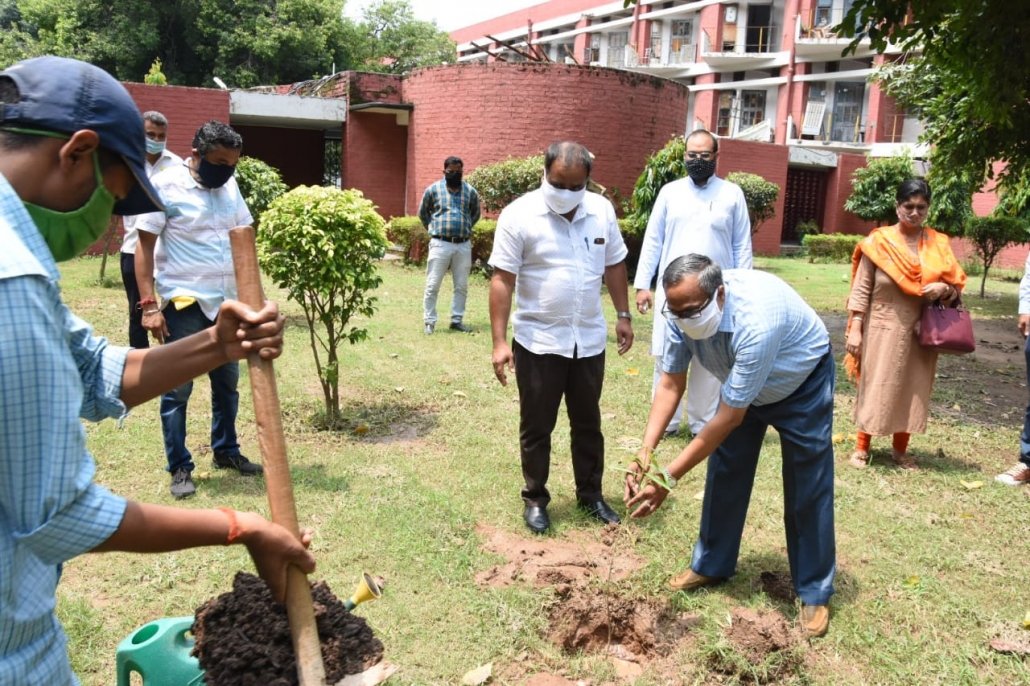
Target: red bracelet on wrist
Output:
[
  {"x": 235, "y": 530},
  {"x": 143, "y": 303}
]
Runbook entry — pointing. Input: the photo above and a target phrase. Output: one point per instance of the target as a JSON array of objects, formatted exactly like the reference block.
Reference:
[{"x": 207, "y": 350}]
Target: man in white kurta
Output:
[{"x": 700, "y": 214}]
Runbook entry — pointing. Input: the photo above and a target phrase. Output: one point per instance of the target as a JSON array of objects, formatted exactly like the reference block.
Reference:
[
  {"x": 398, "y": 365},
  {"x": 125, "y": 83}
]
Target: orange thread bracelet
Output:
[{"x": 235, "y": 531}]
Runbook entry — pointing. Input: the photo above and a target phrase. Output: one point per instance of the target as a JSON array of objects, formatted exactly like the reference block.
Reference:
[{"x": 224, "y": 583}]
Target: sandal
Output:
[
  {"x": 904, "y": 461},
  {"x": 859, "y": 459}
]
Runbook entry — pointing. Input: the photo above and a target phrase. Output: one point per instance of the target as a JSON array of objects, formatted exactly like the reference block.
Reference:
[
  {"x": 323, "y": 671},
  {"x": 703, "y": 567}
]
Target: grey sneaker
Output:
[
  {"x": 429, "y": 329},
  {"x": 182, "y": 484},
  {"x": 237, "y": 462}
]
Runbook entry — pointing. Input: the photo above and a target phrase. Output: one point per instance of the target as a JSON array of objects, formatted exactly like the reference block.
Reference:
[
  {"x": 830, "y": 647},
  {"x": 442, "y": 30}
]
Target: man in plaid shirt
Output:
[{"x": 449, "y": 210}]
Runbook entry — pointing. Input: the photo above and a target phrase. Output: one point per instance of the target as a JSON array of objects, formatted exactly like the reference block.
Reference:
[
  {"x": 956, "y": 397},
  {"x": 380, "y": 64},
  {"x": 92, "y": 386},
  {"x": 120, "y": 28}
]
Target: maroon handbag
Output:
[{"x": 947, "y": 330}]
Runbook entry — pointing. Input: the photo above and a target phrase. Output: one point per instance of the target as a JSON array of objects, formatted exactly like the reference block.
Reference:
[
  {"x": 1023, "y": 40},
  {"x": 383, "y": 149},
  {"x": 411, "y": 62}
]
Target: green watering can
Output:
[{"x": 160, "y": 653}]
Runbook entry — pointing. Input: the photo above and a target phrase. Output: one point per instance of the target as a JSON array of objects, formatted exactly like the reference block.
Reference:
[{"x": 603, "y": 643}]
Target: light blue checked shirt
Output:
[
  {"x": 52, "y": 371},
  {"x": 449, "y": 215},
  {"x": 768, "y": 343}
]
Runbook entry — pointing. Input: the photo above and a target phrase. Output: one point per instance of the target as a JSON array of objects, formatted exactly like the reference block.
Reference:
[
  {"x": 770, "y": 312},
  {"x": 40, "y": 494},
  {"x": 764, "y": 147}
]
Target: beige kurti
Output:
[{"x": 896, "y": 373}]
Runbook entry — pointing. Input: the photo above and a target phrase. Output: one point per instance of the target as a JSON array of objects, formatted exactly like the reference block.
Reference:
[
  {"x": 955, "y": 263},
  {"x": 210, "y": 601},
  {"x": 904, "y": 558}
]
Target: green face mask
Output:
[{"x": 67, "y": 234}]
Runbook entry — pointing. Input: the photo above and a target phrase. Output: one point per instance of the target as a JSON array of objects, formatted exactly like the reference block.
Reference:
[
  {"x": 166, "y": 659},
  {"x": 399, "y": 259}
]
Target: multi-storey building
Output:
[{"x": 761, "y": 71}]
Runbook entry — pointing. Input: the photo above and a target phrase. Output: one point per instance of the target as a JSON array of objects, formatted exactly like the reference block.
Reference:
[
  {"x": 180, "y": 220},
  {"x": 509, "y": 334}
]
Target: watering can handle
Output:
[{"x": 300, "y": 608}]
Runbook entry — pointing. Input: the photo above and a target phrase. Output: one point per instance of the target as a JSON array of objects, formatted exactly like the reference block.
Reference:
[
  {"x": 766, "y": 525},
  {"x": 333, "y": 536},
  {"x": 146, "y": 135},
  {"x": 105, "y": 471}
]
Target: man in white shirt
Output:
[
  {"x": 552, "y": 247},
  {"x": 193, "y": 272},
  {"x": 1019, "y": 473},
  {"x": 158, "y": 158},
  {"x": 700, "y": 214}
]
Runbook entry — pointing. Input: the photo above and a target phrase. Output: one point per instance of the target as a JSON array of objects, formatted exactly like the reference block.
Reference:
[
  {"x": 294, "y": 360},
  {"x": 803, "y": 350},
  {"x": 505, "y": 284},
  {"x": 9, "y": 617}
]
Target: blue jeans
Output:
[
  {"x": 1024, "y": 438},
  {"x": 225, "y": 400},
  {"x": 804, "y": 421},
  {"x": 443, "y": 256}
]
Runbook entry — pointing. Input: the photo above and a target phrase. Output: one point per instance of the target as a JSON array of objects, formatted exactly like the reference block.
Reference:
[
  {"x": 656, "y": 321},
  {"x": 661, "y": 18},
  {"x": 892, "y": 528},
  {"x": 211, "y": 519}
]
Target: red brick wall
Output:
[
  {"x": 838, "y": 189},
  {"x": 375, "y": 160},
  {"x": 520, "y": 109},
  {"x": 368, "y": 87},
  {"x": 186, "y": 110},
  {"x": 296, "y": 153},
  {"x": 768, "y": 161}
]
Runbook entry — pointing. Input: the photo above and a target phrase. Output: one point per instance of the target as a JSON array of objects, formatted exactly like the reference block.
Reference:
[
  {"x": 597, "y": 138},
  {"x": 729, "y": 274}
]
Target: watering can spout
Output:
[{"x": 369, "y": 588}]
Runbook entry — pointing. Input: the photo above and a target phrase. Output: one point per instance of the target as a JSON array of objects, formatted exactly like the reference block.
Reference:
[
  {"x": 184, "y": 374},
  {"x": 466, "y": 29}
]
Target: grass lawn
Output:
[{"x": 929, "y": 569}]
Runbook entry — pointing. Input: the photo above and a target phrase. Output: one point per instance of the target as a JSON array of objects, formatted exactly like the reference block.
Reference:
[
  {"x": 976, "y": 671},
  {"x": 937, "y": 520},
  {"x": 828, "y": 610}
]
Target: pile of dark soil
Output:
[
  {"x": 243, "y": 637},
  {"x": 760, "y": 647}
]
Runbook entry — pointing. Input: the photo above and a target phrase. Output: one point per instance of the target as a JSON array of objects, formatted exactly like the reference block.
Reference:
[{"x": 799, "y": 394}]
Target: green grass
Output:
[{"x": 927, "y": 568}]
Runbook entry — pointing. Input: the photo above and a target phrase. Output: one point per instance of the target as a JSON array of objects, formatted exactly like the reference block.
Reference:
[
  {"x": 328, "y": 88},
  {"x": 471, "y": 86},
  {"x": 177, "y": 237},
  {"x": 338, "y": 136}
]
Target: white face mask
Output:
[
  {"x": 706, "y": 324},
  {"x": 559, "y": 200}
]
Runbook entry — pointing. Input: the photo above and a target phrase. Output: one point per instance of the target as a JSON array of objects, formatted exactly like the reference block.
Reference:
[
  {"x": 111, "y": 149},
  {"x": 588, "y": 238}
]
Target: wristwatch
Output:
[
  {"x": 624, "y": 315},
  {"x": 669, "y": 478}
]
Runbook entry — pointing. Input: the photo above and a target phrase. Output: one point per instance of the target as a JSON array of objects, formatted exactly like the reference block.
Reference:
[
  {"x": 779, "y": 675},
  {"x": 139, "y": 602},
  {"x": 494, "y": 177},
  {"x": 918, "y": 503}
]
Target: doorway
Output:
[
  {"x": 804, "y": 201},
  {"x": 759, "y": 28}
]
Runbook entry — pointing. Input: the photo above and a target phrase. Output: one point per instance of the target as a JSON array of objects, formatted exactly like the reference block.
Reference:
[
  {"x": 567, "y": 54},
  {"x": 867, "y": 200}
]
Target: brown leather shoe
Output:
[
  {"x": 815, "y": 620},
  {"x": 690, "y": 580}
]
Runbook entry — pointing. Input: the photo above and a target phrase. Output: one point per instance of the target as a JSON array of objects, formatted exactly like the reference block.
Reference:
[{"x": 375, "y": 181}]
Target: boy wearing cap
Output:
[{"x": 71, "y": 153}]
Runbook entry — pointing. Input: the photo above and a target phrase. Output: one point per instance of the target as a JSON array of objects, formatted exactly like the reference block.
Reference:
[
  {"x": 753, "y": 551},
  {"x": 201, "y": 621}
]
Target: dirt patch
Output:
[
  {"x": 603, "y": 620},
  {"x": 760, "y": 647},
  {"x": 989, "y": 386},
  {"x": 778, "y": 586},
  {"x": 553, "y": 562},
  {"x": 243, "y": 637}
]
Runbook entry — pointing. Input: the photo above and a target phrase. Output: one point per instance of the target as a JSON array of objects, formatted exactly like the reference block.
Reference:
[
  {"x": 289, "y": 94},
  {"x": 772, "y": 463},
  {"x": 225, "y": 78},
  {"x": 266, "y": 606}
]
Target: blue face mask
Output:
[
  {"x": 155, "y": 147},
  {"x": 214, "y": 175}
]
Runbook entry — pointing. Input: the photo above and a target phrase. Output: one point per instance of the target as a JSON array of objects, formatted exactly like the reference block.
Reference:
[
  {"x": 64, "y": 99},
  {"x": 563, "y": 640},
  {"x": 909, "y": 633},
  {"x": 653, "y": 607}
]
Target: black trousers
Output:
[
  {"x": 542, "y": 381},
  {"x": 138, "y": 336}
]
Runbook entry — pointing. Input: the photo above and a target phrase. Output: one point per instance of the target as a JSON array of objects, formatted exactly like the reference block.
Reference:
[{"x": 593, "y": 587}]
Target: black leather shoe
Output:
[
  {"x": 537, "y": 519},
  {"x": 237, "y": 462},
  {"x": 599, "y": 510},
  {"x": 458, "y": 326}
]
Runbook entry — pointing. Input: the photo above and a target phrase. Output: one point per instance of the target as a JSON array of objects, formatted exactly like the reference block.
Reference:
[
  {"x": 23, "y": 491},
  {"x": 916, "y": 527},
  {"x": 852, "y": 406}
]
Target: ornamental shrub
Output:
[
  {"x": 662, "y": 167},
  {"x": 831, "y": 247},
  {"x": 501, "y": 183},
  {"x": 323, "y": 245},
  {"x": 874, "y": 187},
  {"x": 760, "y": 196},
  {"x": 260, "y": 184}
]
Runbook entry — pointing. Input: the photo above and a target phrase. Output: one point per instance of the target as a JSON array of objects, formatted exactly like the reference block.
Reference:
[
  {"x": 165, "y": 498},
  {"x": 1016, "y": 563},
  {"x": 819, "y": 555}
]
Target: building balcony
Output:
[
  {"x": 750, "y": 47},
  {"x": 816, "y": 38}
]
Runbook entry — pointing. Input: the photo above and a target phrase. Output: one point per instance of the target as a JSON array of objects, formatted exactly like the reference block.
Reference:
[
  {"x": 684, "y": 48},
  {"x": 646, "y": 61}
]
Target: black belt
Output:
[{"x": 450, "y": 239}]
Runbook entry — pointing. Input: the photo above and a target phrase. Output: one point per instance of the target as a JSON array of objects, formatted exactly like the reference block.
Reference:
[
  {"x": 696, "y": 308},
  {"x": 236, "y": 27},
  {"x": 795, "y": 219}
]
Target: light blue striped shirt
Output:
[
  {"x": 193, "y": 257},
  {"x": 52, "y": 371},
  {"x": 768, "y": 343}
]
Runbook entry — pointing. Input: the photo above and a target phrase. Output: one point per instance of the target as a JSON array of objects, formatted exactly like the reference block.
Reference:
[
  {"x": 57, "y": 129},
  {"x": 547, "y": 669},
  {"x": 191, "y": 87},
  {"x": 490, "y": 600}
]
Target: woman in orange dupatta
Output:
[{"x": 895, "y": 271}]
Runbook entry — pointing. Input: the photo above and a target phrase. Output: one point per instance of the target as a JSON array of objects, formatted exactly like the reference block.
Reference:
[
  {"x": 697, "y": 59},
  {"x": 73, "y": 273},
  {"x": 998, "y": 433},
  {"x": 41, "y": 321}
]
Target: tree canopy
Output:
[
  {"x": 969, "y": 79},
  {"x": 244, "y": 42}
]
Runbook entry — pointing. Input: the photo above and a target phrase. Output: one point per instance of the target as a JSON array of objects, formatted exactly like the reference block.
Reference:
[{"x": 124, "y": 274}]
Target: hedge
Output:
[{"x": 832, "y": 247}]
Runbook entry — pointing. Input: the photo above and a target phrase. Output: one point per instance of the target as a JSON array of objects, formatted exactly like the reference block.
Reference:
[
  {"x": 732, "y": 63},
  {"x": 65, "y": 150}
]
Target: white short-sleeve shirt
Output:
[{"x": 558, "y": 267}]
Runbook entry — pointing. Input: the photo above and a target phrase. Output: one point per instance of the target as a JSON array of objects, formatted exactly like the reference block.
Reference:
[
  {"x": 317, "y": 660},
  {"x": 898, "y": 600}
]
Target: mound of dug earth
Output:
[
  {"x": 762, "y": 647},
  {"x": 243, "y": 637}
]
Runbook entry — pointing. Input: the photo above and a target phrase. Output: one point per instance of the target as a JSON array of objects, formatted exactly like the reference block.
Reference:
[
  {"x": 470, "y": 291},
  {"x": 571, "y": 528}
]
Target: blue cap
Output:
[{"x": 66, "y": 95}]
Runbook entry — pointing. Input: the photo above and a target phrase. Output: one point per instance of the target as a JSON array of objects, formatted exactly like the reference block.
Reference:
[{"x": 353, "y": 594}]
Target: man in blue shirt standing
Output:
[
  {"x": 772, "y": 354},
  {"x": 71, "y": 154},
  {"x": 449, "y": 210}
]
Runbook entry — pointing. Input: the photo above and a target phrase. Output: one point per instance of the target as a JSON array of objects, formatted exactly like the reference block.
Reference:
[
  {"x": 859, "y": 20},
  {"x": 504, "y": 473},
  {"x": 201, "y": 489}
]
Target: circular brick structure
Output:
[{"x": 485, "y": 112}]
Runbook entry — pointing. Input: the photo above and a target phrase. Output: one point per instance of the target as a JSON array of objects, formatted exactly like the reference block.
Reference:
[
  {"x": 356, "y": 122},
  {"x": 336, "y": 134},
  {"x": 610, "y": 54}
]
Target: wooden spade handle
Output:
[{"x": 299, "y": 606}]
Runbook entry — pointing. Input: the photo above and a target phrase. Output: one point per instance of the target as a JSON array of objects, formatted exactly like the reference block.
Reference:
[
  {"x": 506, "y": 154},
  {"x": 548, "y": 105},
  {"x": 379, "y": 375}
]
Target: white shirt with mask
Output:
[
  {"x": 558, "y": 266},
  {"x": 167, "y": 159}
]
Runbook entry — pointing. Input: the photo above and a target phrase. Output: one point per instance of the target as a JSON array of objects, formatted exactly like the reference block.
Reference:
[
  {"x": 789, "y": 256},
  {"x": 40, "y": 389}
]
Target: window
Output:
[
  {"x": 593, "y": 51},
  {"x": 752, "y": 108},
  {"x": 617, "y": 48},
  {"x": 724, "y": 122},
  {"x": 681, "y": 47}
]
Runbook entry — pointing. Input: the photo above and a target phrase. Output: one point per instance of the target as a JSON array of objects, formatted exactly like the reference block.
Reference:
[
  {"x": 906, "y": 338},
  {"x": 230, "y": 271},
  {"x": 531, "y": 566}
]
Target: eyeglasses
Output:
[
  {"x": 706, "y": 155},
  {"x": 689, "y": 313}
]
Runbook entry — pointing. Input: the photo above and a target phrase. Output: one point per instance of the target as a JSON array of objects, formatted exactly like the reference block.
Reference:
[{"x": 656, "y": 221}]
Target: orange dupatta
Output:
[{"x": 884, "y": 249}]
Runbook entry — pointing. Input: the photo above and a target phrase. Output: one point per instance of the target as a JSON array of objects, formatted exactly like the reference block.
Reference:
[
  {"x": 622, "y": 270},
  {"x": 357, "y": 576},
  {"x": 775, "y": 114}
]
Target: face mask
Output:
[
  {"x": 700, "y": 170},
  {"x": 914, "y": 220},
  {"x": 559, "y": 200},
  {"x": 214, "y": 175},
  {"x": 453, "y": 178},
  {"x": 706, "y": 324},
  {"x": 155, "y": 147},
  {"x": 67, "y": 234}
]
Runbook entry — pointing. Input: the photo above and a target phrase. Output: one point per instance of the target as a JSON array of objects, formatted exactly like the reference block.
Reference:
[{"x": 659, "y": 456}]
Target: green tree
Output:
[
  {"x": 760, "y": 196},
  {"x": 500, "y": 183},
  {"x": 662, "y": 167},
  {"x": 155, "y": 76},
  {"x": 391, "y": 39},
  {"x": 991, "y": 235},
  {"x": 875, "y": 186},
  {"x": 969, "y": 82},
  {"x": 951, "y": 207},
  {"x": 260, "y": 184},
  {"x": 323, "y": 246}
]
